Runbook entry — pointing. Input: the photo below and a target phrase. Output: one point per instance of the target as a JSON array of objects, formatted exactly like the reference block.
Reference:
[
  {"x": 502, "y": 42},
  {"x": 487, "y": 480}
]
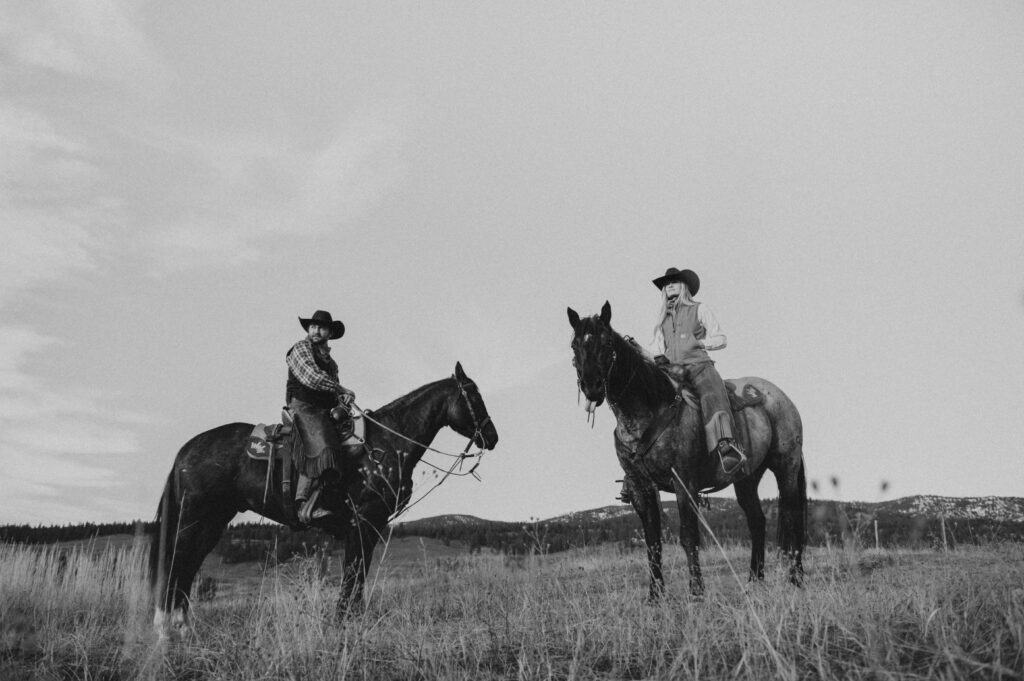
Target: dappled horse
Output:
[
  {"x": 659, "y": 440},
  {"x": 213, "y": 479}
]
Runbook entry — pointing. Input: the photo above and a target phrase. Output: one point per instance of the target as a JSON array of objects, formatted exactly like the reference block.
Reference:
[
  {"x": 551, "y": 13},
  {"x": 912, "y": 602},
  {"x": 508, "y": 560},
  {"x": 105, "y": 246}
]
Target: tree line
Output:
[{"x": 829, "y": 523}]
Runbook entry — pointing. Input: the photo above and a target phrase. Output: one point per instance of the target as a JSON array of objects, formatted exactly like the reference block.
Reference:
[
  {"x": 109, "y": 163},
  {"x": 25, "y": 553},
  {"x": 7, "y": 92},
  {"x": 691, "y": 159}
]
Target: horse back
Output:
[
  {"x": 211, "y": 461},
  {"x": 782, "y": 420}
]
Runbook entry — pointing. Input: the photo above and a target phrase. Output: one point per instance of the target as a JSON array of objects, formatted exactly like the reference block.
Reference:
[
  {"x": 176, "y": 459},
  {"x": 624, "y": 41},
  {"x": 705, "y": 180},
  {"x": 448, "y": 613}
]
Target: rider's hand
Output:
[{"x": 347, "y": 396}]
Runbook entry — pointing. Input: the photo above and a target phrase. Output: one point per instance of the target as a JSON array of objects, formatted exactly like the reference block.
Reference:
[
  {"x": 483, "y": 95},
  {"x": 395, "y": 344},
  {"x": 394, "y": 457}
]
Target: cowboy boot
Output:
[{"x": 308, "y": 512}]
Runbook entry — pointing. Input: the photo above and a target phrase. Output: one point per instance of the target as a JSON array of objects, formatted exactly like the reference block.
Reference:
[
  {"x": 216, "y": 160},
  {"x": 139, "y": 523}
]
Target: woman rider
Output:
[{"x": 686, "y": 331}]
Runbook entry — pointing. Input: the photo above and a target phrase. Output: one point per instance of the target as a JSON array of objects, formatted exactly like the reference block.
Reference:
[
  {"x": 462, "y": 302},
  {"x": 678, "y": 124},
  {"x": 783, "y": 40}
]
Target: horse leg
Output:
[
  {"x": 359, "y": 544},
  {"x": 689, "y": 533},
  {"x": 750, "y": 502},
  {"x": 644, "y": 499},
  {"x": 201, "y": 528},
  {"x": 792, "y": 511}
]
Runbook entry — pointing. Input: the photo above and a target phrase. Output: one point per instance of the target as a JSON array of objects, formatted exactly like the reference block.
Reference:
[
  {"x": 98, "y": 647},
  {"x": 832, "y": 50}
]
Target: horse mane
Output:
[
  {"x": 645, "y": 378},
  {"x": 408, "y": 398}
]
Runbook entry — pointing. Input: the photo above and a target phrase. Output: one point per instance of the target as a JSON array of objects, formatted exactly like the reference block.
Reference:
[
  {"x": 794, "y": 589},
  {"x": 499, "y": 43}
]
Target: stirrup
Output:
[
  {"x": 308, "y": 511},
  {"x": 741, "y": 465}
]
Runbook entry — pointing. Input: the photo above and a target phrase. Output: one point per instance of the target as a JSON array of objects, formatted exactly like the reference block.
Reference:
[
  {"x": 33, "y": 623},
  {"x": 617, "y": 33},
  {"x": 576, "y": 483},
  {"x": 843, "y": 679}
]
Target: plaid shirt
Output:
[{"x": 301, "y": 362}]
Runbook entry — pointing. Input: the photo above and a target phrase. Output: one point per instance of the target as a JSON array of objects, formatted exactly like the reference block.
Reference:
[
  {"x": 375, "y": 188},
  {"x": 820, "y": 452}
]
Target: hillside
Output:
[
  {"x": 913, "y": 520},
  {"x": 908, "y": 521}
]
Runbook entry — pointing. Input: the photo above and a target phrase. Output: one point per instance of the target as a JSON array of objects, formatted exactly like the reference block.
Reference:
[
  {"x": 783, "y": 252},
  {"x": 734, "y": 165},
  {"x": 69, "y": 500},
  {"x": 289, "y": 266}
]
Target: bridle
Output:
[
  {"x": 478, "y": 425},
  {"x": 606, "y": 382},
  {"x": 455, "y": 470}
]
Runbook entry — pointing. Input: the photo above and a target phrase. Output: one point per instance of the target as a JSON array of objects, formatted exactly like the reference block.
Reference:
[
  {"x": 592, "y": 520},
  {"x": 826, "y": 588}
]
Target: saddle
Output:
[
  {"x": 741, "y": 397},
  {"x": 277, "y": 444}
]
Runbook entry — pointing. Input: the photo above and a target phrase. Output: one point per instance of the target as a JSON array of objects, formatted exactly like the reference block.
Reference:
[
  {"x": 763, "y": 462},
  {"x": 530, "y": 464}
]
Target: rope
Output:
[
  {"x": 459, "y": 458},
  {"x": 463, "y": 455},
  {"x": 447, "y": 473}
]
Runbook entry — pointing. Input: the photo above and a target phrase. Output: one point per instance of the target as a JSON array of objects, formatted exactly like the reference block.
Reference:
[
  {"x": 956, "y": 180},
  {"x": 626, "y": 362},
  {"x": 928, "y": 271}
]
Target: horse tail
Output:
[
  {"x": 161, "y": 548},
  {"x": 792, "y": 532}
]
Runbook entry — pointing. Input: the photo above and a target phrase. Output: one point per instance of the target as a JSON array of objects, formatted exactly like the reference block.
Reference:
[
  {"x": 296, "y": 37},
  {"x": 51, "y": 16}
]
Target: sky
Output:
[{"x": 182, "y": 181}]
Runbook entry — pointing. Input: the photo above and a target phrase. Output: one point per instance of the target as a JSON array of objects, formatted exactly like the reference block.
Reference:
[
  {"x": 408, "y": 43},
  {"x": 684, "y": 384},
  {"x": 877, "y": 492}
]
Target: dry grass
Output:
[{"x": 579, "y": 615}]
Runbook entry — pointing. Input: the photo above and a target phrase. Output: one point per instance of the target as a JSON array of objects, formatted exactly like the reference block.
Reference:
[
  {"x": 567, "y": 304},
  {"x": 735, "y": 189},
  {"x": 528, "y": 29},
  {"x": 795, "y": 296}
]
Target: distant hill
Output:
[
  {"x": 908, "y": 521},
  {"x": 913, "y": 520}
]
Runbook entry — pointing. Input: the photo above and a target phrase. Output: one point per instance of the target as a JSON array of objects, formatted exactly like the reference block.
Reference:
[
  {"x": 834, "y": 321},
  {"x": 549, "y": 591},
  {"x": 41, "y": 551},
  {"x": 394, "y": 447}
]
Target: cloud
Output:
[
  {"x": 16, "y": 344},
  {"x": 351, "y": 172},
  {"x": 45, "y": 203},
  {"x": 42, "y": 505},
  {"x": 94, "y": 39},
  {"x": 54, "y": 437},
  {"x": 60, "y": 167},
  {"x": 257, "y": 195},
  {"x": 75, "y": 436}
]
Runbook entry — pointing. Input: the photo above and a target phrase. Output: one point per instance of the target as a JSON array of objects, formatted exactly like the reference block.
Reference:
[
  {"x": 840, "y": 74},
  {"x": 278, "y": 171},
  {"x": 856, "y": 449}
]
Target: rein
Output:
[{"x": 478, "y": 427}]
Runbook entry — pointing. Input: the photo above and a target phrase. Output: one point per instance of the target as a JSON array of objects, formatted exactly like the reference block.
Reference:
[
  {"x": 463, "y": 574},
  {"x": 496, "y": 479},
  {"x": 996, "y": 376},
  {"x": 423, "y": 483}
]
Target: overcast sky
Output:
[{"x": 181, "y": 181}]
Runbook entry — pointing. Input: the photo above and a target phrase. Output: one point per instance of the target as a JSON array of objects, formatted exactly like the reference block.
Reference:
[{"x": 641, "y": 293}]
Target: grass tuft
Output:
[{"x": 85, "y": 614}]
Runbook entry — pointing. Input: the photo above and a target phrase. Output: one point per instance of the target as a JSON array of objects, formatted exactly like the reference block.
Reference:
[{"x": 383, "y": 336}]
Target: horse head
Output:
[
  {"x": 467, "y": 413},
  {"x": 593, "y": 353}
]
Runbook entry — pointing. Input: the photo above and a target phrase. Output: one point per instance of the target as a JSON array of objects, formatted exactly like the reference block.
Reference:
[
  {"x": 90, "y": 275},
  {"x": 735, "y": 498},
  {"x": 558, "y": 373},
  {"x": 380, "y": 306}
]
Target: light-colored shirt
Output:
[{"x": 714, "y": 337}]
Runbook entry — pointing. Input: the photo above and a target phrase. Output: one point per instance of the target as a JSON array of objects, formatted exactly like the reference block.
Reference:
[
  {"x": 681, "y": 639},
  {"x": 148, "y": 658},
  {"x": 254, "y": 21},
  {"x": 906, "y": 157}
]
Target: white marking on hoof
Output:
[{"x": 168, "y": 624}]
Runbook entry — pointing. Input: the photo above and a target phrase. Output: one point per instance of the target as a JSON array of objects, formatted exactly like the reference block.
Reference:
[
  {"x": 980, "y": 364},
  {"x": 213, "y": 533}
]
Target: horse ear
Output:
[
  {"x": 606, "y": 313},
  {"x": 574, "y": 318},
  {"x": 459, "y": 373}
]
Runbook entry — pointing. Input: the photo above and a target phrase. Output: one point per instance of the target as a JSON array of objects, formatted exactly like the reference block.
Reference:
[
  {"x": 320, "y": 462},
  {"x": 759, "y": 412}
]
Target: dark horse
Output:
[
  {"x": 675, "y": 458},
  {"x": 213, "y": 479}
]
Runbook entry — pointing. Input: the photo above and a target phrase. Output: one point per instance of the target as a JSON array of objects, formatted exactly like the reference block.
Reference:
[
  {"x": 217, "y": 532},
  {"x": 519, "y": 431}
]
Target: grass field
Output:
[{"x": 436, "y": 612}]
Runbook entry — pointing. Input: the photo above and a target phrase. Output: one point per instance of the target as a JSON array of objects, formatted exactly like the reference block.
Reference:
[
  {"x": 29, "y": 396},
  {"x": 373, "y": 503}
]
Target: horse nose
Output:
[{"x": 486, "y": 435}]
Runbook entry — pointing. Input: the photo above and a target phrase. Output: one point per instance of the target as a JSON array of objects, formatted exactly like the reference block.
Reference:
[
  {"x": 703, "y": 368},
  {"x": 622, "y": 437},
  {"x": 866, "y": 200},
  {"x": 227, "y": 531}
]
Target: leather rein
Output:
[{"x": 451, "y": 471}]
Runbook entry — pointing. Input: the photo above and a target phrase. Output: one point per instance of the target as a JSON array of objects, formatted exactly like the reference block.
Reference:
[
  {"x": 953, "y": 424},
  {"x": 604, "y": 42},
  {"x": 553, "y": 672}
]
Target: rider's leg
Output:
[
  {"x": 719, "y": 430},
  {"x": 318, "y": 438}
]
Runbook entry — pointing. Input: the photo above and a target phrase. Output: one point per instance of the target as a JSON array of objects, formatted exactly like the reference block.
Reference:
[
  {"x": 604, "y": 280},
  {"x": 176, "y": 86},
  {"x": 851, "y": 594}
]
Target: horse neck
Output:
[
  {"x": 418, "y": 416},
  {"x": 635, "y": 385}
]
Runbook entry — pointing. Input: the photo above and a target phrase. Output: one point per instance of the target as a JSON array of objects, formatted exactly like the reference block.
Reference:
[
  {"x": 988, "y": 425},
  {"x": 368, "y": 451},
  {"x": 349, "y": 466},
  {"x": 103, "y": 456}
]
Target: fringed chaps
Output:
[{"x": 314, "y": 466}]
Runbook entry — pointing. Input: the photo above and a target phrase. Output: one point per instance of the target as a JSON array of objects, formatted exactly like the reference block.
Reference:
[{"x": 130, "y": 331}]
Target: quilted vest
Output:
[{"x": 682, "y": 329}]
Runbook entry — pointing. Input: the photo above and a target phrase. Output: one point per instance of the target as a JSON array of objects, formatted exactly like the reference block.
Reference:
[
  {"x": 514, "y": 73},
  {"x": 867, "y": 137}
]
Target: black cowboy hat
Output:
[
  {"x": 688, "y": 277},
  {"x": 324, "y": 318}
]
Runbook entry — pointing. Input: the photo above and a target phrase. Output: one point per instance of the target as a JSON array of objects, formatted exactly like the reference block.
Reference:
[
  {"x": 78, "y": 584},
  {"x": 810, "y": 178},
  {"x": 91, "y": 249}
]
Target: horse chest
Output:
[{"x": 382, "y": 473}]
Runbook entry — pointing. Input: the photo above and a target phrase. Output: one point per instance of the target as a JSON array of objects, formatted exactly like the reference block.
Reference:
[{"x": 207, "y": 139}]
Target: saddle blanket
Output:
[{"x": 266, "y": 441}]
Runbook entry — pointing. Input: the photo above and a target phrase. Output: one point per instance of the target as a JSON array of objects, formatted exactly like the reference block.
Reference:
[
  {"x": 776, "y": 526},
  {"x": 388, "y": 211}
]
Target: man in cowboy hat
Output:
[
  {"x": 311, "y": 393},
  {"x": 685, "y": 332}
]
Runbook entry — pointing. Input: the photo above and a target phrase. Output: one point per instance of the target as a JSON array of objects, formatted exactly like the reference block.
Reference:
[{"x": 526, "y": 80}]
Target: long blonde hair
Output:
[{"x": 684, "y": 299}]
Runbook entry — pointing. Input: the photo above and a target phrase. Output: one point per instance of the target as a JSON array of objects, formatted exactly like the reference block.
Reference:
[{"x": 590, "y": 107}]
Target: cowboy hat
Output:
[
  {"x": 323, "y": 318},
  {"x": 688, "y": 277}
]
